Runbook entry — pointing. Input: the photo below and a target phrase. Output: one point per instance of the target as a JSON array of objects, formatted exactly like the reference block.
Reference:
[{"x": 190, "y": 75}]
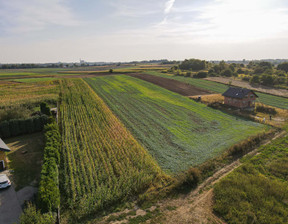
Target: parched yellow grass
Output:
[
  {"x": 211, "y": 98},
  {"x": 17, "y": 93}
]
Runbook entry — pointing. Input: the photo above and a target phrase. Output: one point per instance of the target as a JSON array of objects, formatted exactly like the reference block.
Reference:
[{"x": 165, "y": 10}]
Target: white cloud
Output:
[
  {"x": 20, "y": 16},
  {"x": 135, "y": 8},
  {"x": 225, "y": 21},
  {"x": 168, "y": 6}
]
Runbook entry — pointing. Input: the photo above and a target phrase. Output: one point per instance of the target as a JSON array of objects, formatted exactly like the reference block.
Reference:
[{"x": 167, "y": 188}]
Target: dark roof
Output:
[
  {"x": 235, "y": 92},
  {"x": 3, "y": 146}
]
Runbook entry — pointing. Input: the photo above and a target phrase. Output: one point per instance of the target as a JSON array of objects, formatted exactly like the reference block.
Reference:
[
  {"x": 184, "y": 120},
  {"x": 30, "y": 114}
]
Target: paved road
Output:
[{"x": 10, "y": 209}]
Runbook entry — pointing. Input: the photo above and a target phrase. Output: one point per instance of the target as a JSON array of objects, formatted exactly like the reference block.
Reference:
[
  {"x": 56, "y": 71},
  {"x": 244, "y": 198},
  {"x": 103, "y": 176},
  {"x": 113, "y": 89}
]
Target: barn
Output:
[
  {"x": 240, "y": 98},
  {"x": 3, "y": 149}
]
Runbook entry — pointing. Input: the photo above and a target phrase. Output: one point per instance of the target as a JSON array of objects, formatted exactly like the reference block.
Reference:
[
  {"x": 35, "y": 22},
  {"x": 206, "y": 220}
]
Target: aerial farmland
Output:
[{"x": 127, "y": 140}]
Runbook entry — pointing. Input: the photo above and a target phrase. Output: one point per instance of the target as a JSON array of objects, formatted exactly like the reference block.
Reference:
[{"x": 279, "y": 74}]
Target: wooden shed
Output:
[
  {"x": 240, "y": 98},
  {"x": 3, "y": 149}
]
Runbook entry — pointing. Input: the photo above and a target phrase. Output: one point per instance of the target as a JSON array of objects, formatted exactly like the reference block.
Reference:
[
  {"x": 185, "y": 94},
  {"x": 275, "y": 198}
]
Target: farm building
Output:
[
  {"x": 240, "y": 98},
  {"x": 3, "y": 149}
]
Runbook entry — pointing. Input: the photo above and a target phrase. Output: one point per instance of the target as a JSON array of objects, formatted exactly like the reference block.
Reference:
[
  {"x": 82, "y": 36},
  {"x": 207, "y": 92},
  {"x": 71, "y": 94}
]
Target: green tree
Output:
[
  {"x": 255, "y": 79},
  {"x": 192, "y": 64},
  {"x": 267, "y": 79},
  {"x": 227, "y": 73},
  {"x": 283, "y": 66}
]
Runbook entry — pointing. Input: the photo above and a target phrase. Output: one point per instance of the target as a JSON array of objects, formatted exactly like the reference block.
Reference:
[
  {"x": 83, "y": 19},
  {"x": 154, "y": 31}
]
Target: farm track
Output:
[
  {"x": 197, "y": 206},
  {"x": 182, "y": 88}
]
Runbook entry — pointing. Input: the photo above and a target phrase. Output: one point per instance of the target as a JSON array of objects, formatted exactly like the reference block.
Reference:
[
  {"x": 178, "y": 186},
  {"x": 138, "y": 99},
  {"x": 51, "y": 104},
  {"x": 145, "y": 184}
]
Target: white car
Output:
[{"x": 4, "y": 181}]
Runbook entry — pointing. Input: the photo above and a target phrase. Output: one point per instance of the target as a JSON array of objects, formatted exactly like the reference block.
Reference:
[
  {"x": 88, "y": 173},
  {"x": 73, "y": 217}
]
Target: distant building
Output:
[
  {"x": 240, "y": 98},
  {"x": 3, "y": 149}
]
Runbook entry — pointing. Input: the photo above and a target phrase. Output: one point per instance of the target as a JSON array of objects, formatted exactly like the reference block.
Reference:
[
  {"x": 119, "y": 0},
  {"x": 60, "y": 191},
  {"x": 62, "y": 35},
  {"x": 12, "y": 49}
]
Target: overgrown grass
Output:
[
  {"x": 257, "y": 191},
  {"x": 275, "y": 101},
  {"x": 26, "y": 93},
  {"x": 29, "y": 80},
  {"x": 177, "y": 131}
]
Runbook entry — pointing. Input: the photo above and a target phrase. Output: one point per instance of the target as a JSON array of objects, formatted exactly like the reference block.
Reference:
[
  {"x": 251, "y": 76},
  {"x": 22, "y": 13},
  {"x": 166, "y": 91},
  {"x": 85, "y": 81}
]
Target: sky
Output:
[{"x": 38, "y": 31}]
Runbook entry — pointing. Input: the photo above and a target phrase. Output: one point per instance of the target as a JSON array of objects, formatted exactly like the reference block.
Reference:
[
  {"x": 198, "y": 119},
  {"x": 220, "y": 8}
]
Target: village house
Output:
[
  {"x": 240, "y": 98},
  {"x": 3, "y": 149}
]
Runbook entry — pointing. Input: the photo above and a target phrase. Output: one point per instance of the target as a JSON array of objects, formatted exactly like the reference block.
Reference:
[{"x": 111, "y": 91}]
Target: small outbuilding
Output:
[
  {"x": 3, "y": 149},
  {"x": 240, "y": 98}
]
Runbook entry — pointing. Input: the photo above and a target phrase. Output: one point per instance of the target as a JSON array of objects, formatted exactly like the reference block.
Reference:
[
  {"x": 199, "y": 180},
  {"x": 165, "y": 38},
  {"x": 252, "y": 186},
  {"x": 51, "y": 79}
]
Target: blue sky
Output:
[{"x": 125, "y": 30}]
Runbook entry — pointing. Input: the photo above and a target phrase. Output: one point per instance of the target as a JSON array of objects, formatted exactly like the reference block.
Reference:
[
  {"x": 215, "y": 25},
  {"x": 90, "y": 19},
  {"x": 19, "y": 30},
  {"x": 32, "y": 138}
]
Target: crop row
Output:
[
  {"x": 178, "y": 132},
  {"x": 102, "y": 163}
]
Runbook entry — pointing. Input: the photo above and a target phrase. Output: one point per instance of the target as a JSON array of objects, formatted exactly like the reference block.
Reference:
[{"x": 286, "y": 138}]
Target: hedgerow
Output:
[
  {"x": 17, "y": 127},
  {"x": 48, "y": 192}
]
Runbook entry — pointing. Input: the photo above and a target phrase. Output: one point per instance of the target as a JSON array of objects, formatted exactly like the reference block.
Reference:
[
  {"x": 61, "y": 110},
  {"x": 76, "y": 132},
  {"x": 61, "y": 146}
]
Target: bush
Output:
[
  {"x": 189, "y": 179},
  {"x": 201, "y": 75},
  {"x": 188, "y": 74},
  {"x": 266, "y": 110},
  {"x": 32, "y": 216},
  {"x": 45, "y": 109}
]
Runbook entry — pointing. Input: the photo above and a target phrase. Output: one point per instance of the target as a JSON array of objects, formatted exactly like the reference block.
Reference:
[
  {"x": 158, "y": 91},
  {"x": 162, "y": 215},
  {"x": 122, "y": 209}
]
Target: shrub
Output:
[
  {"x": 188, "y": 74},
  {"x": 32, "y": 216},
  {"x": 267, "y": 110},
  {"x": 45, "y": 109},
  {"x": 201, "y": 75}
]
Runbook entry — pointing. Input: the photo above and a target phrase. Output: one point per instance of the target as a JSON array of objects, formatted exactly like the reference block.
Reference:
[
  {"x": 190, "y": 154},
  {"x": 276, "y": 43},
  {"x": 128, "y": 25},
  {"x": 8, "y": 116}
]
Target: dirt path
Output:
[
  {"x": 172, "y": 85},
  {"x": 264, "y": 89}
]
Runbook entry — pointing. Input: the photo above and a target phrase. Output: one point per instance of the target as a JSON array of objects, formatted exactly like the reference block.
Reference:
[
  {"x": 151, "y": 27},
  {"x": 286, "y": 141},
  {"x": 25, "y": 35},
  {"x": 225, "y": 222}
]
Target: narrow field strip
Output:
[{"x": 177, "y": 131}]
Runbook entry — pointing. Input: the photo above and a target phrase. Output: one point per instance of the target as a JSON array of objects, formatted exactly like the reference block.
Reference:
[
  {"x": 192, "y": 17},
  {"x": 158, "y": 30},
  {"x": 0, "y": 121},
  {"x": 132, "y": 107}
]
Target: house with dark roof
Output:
[
  {"x": 240, "y": 98},
  {"x": 3, "y": 149}
]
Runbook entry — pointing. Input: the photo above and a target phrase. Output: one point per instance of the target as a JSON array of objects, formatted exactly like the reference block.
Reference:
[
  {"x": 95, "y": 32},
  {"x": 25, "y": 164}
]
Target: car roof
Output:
[{"x": 3, "y": 177}]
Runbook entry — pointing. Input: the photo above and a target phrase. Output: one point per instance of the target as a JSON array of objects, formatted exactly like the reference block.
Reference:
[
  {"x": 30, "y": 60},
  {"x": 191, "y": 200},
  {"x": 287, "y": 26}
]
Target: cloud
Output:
[
  {"x": 168, "y": 6},
  {"x": 223, "y": 21},
  {"x": 133, "y": 8},
  {"x": 18, "y": 16}
]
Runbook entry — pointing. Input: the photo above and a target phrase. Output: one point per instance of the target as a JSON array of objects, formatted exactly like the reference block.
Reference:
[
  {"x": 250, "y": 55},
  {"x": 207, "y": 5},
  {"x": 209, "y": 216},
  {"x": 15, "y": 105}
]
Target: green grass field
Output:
[
  {"x": 275, "y": 101},
  {"x": 177, "y": 131},
  {"x": 257, "y": 191}
]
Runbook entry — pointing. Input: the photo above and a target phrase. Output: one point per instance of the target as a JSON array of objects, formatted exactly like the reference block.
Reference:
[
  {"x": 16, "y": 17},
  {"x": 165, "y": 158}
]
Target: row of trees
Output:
[{"x": 261, "y": 72}]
